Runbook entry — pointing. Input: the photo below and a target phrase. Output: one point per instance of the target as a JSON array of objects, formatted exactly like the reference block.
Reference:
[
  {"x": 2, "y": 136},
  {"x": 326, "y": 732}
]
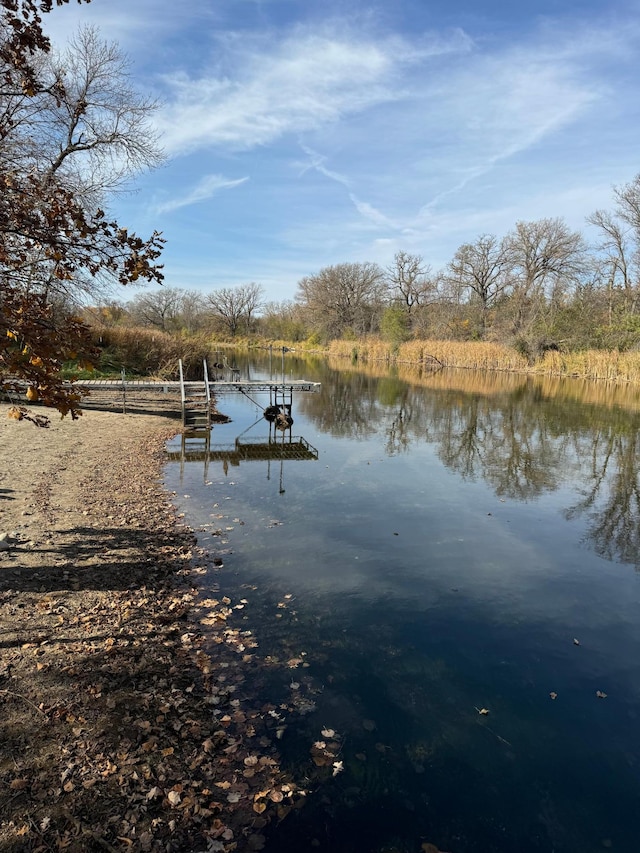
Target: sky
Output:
[{"x": 304, "y": 133}]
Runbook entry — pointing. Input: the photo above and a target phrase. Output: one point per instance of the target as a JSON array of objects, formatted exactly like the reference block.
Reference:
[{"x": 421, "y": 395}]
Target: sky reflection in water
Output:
[{"x": 451, "y": 541}]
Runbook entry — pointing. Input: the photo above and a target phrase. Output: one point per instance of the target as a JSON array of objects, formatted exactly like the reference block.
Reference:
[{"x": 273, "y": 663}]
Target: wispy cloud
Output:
[
  {"x": 298, "y": 84},
  {"x": 415, "y": 136},
  {"x": 204, "y": 189},
  {"x": 367, "y": 211}
]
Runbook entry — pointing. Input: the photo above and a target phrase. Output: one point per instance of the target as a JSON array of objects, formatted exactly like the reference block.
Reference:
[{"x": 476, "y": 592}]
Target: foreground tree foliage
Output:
[{"x": 71, "y": 129}]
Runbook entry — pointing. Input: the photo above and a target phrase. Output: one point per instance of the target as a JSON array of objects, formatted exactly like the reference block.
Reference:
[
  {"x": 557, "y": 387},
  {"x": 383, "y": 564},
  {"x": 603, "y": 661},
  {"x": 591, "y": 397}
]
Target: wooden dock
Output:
[
  {"x": 216, "y": 386},
  {"x": 197, "y": 397}
]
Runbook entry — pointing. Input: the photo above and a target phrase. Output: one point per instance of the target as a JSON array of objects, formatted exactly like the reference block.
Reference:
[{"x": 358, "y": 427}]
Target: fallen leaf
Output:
[
  {"x": 576, "y": 642},
  {"x": 174, "y": 797},
  {"x": 338, "y": 767},
  {"x": 600, "y": 694},
  {"x": 328, "y": 733},
  {"x": 553, "y": 694},
  {"x": 483, "y": 711}
]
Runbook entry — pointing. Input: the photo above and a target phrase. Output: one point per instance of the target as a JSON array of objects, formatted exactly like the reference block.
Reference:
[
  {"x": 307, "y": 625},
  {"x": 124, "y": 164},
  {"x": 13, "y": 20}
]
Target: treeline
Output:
[{"x": 540, "y": 287}]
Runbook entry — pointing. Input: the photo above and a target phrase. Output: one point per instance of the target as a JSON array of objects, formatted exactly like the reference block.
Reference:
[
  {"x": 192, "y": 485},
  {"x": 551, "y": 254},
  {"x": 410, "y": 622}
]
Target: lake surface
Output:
[{"x": 453, "y": 544}]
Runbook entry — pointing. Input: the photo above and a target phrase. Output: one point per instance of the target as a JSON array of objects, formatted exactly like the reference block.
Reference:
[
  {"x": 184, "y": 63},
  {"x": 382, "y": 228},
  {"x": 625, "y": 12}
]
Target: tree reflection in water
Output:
[{"x": 523, "y": 435}]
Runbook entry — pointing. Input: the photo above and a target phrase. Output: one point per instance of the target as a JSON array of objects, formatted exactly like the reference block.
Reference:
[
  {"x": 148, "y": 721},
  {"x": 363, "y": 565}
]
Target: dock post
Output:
[{"x": 124, "y": 393}]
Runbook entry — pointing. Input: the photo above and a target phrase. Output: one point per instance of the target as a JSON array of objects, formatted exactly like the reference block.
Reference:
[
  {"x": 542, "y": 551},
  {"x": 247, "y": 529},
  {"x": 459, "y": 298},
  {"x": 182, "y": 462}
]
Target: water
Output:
[{"x": 462, "y": 543}]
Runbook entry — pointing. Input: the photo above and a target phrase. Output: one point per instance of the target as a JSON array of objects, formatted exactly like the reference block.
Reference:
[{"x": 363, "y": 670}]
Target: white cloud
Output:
[
  {"x": 298, "y": 84},
  {"x": 205, "y": 189}
]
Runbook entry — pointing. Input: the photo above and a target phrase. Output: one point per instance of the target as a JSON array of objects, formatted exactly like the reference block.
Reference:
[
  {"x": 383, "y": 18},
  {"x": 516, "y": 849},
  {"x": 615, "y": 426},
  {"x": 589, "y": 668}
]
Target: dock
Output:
[{"x": 197, "y": 397}]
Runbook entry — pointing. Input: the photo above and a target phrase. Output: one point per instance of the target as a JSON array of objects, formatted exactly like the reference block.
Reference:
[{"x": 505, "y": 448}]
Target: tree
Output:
[
  {"x": 232, "y": 307},
  {"x": 620, "y": 245},
  {"x": 616, "y": 258},
  {"x": 547, "y": 258},
  {"x": 394, "y": 325},
  {"x": 482, "y": 267},
  {"x": 62, "y": 148},
  {"x": 282, "y": 321},
  {"x": 344, "y": 297},
  {"x": 159, "y": 309},
  {"x": 410, "y": 282}
]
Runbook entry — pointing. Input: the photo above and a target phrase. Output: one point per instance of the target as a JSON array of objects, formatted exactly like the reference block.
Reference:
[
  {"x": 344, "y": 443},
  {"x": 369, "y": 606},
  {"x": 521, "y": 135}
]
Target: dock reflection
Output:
[{"x": 278, "y": 446}]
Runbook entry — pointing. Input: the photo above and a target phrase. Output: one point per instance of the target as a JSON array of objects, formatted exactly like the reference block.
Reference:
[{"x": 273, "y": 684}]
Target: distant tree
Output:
[
  {"x": 341, "y": 298},
  {"x": 67, "y": 137},
  {"x": 409, "y": 280},
  {"x": 235, "y": 307},
  {"x": 192, "y": 311},
  {"x": 483, "y": 268},
  {"x": 282, "y": 321},
  {"x": 394, "y": 324},
  {"x": 620, "y": 246},
  {"x": 159, "y": 309},
  {"x": 111, "y": 312},
  {"x": 547, "y": 259}
]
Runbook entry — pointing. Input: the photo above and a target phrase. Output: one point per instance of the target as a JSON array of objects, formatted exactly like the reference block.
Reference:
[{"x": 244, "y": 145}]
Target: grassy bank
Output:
[
  {"x": 609, "y": 365},
  {"x": 148, "y": 352}
]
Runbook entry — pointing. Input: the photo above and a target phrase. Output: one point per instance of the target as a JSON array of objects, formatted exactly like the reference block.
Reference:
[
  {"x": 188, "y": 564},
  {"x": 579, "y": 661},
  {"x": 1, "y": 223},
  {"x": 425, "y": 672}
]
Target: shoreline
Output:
[{"x": 121, "y": 730}]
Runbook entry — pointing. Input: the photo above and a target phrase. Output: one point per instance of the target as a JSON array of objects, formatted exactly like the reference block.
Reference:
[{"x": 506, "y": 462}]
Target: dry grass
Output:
[
  {"x": 496, "y": 383},
  {"x": 471, "y": 355},
  {"x": 610, "y": 365},
  {"x": 150, "y": 352},
  {"x": 607, "y": 365}
]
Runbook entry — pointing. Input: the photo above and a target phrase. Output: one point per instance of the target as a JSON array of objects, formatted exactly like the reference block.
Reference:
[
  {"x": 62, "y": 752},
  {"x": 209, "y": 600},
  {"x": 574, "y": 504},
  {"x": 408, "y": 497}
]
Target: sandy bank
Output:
[{"x": 119, "y": 730}]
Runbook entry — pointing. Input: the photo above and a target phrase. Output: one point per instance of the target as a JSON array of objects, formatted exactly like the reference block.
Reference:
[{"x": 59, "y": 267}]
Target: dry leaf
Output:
[
  {"x": 174, "y": 797},
  {"x": 483, "y": 711},
  {"x": 338, "y": 767},
  {"x": 553, "y": 694},
  {"x": 576, "y": 642},
  {"x": 600, "y": 694}
]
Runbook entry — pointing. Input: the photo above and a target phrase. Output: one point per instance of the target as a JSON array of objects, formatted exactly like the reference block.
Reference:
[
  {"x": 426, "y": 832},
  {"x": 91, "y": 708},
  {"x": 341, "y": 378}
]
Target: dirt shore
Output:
[{"x": 120, "y": 729}]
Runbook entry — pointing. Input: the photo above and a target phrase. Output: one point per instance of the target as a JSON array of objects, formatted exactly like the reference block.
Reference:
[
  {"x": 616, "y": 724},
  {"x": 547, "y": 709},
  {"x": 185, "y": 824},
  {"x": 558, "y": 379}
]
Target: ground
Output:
[{"x": 129, "y": 718}]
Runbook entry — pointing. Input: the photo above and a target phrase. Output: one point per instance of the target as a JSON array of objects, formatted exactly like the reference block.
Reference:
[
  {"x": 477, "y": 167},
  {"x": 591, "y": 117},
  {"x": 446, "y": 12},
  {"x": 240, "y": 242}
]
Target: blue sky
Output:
[{"x": 303, "y": 133}]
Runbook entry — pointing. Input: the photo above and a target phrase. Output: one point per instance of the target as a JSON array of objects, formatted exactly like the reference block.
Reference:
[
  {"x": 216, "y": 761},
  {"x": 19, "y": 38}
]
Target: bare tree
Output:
[
  {"x": 617, "y": 257},
  {"x": 233, "y": 307},
  {"x": 159, "y": 309},
  {"x": 343, "y": 297},
  {"x": 483, "y": 268},
  {"x": 628, "y": 204},
  {"x": 192, "y": 310},
  {"x": 548, "y": 258},
  {"x": 93, "y": 126},
  {"x": 83, "y": 132},
  {"x": 282, "y": 321},
  {"x": 409, "y": 280},
  {"x": 71, "y": 130}
]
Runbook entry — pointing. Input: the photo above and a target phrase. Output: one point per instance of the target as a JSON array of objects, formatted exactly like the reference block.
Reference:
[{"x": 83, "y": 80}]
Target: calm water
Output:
[{"x": 453, "y": 544}]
